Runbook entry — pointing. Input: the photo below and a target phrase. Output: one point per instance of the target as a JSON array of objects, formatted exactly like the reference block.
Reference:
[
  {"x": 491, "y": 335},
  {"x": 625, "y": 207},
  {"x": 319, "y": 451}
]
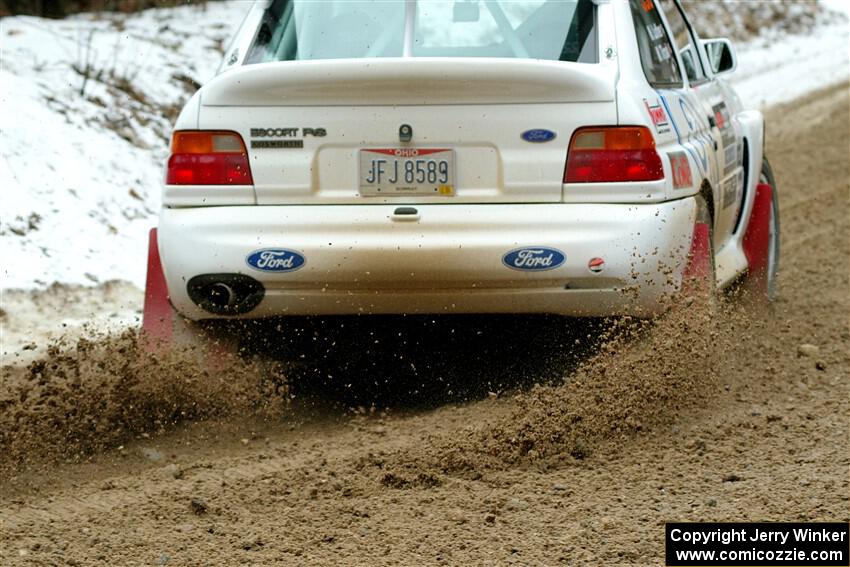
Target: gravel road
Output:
[{"x": 453, "y": 441}]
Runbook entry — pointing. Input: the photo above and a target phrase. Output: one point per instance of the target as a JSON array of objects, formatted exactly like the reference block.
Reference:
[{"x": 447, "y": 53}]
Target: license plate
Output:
[{"x": 407, "y": 171}]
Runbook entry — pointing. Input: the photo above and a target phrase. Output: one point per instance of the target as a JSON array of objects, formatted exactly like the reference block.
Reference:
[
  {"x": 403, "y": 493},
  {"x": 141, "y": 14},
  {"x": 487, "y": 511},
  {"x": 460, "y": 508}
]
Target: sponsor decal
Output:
[
  {"x": 538, "y": 135},
  {"x": 688, "y": 147},
  {"x": 720, "y": 115},
  {"x": 681, "y": 168},
  {"x": 697, "y": 141},
  {"x": 730, "y": 156},
  {"x": 596, "y": 265},
  {"x": 275, "y": 260},
  {"x": 534, "y": 259},
  {"x": 728, "y": 138},
  {"x": 730, "y": 191},
  {"x": 658, "y": 116}
]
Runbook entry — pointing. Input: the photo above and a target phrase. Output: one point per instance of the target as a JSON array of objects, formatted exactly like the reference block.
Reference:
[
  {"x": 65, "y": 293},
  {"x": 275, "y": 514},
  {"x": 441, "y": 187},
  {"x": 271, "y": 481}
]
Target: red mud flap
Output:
[
  {"x": 699, "y": 258},
  {"x": 756, "y": 242},
  {"x": 158, "y": 316},
  {"x": 695, "y": 278},
  {"x": 163, "y": 328}
]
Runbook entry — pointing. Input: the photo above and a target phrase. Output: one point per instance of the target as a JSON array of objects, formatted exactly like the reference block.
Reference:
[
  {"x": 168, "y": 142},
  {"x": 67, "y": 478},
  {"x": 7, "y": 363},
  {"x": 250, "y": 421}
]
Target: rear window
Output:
[{"x": 559, "y": 30}]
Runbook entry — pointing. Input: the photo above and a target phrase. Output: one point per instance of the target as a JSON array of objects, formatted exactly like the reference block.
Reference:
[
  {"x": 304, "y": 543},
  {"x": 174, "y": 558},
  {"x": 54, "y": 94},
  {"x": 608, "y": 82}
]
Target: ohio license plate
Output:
[{"x": 407, "y": 171}]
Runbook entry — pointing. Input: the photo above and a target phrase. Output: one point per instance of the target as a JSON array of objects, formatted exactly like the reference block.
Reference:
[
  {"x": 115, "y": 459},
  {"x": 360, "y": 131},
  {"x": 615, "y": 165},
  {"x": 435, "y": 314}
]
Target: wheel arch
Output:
[
  {"x": 752, "y": 154},
  {"x": 745, "y": 162}
]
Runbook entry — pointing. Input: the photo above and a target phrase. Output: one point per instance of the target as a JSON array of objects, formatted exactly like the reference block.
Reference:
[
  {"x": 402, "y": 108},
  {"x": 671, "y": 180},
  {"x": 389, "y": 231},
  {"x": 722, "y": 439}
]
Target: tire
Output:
[
  {"x": 766, "y": 176},
  {"x": 761, "y": 240}
]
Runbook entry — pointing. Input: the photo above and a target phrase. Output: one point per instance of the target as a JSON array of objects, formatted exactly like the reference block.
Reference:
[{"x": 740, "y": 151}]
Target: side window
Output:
[
  {"x": 656, "y": 52},
  {"x": 684, "y": 41}
]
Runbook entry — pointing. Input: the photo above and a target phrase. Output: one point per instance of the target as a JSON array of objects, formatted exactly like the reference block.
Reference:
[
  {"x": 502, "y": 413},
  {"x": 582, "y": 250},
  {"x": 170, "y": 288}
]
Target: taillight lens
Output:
[
  {"x": 205, "y": 157},
  {"x": 619, "y": 153}
]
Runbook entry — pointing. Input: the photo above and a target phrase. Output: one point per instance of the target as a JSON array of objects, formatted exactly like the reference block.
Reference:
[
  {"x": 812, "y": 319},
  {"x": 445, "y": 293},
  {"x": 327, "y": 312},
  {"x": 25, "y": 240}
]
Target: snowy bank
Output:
[{"x": 86, "y": 106}]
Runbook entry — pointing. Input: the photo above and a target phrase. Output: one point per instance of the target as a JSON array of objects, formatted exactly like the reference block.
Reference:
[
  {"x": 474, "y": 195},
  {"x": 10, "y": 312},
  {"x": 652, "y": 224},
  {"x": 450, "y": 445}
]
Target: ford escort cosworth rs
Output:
[{"x": 577, "y": 157}]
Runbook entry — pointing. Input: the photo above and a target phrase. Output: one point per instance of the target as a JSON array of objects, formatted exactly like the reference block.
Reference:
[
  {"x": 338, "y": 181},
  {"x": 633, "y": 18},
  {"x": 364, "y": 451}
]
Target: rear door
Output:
[{"x": 709, "y": 104}]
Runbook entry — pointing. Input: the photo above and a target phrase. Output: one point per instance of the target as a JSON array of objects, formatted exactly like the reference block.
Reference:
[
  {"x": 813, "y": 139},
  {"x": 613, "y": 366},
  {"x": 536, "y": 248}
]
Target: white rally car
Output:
[{"x": 575, "y": 157}]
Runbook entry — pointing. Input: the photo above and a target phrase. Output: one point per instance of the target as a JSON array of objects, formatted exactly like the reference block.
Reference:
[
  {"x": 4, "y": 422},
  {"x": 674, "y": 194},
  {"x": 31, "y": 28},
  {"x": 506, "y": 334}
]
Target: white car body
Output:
[{"x": 511, "y": 237}]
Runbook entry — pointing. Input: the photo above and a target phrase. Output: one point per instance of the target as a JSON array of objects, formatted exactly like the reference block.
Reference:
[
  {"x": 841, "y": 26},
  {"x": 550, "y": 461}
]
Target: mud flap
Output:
[
  {"x": 158, "y": 316},
  {"x": 697, "y": 274},
  {"x": 163, "y": 328},
  {"x": 756, "y": 243}
]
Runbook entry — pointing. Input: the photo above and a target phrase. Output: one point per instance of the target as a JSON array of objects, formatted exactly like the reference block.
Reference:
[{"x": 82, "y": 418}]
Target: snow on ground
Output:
[
  {"x": 773, "y": 70},
  {"x": 86, "y": 106},
  {"x": 82, "y": 160}
]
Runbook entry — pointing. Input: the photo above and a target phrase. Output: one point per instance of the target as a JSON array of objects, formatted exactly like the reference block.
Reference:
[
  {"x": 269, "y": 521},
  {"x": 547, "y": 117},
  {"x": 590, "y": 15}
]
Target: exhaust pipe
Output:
[
  {"x": 221, "y": 295},
  {"x": 225, "y": 294}
]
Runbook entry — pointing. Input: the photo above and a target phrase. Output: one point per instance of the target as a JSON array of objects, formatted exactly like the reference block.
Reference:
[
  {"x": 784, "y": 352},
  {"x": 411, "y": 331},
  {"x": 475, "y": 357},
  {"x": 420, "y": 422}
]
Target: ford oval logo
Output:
[
  {"x": 538, "y": 135},
  {"x": 535, "y": 259},
  {"x": 275, "y": 260}
]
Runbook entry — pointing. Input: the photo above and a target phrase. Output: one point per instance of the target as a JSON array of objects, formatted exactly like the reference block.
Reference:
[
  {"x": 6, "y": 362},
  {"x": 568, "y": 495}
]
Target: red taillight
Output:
[
  {"x": 619, "y": 153},
  {"x": 208, "y": 158}
]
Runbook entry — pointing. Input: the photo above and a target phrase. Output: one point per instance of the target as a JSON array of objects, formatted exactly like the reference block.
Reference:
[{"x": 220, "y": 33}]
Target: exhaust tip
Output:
[
  {"x": 225, "y": 294},
  {"x": 221, "y": 295}
]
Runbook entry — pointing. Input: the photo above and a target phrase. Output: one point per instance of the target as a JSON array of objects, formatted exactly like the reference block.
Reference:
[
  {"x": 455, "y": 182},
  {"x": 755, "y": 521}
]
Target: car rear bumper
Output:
[{"x": 363, "y": 259}]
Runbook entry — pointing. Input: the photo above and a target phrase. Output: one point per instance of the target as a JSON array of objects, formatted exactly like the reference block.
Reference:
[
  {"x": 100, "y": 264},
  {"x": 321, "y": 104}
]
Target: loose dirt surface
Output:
[
  {"x": 457, "y": 441},
  {"x": 32, "y": 320}
]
